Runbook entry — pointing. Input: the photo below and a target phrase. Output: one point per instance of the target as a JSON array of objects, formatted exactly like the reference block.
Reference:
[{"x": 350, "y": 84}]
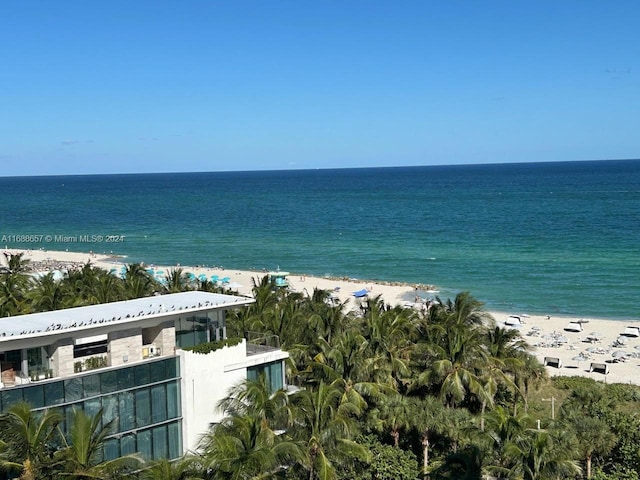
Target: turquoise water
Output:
[{"x": 551, "y": 238}]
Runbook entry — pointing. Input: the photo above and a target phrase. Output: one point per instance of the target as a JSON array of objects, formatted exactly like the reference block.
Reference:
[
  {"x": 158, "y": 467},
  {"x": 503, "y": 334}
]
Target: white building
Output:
[{"x": 129, "y": 359}]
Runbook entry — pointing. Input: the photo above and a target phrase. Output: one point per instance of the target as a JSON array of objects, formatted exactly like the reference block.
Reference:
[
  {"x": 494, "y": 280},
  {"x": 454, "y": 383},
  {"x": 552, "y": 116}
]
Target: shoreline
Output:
[{"x": 547, "y": 335}]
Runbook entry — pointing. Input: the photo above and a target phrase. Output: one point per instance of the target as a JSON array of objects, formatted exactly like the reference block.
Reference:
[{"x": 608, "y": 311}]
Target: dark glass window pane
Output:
[
  {"x": 172, "y": 367},
  {"x": 276, "y": 376},
  {"x": 175, "y": 440},
  {"x": 127, "y": 411},
  {"x": 11, "y": 396},
  {"x": 110, "y": 411},
  {"x": 92, "y": 407},
  {"x": 68, "y": 418},
  {"x": 108, "y": 381},
  {"x": 111, "y": 449},
  {"x": 141, "y": 374},
  {"x": 160, "y": 447},
  {"x": 144, "y": 444},
  {"x": 143, "y": 407},
  {"x": 173, "y": 400},
  {"x": 158, "y": 404},
  {"x": 53, "y": 393},
  {"x": 157, "y": 372},
  {"x": 34, "y": 396},
  {"x": 91, "y": 385},
  {"x": 125, "y": 378},
  {"x": 73, "y": 389},
  {"x": 128, "y": 445}
]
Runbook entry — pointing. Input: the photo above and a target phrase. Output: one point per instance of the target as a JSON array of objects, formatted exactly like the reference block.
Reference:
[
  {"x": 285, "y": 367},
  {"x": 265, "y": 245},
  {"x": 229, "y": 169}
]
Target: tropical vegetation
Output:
[{"x": 377, "y": 392}]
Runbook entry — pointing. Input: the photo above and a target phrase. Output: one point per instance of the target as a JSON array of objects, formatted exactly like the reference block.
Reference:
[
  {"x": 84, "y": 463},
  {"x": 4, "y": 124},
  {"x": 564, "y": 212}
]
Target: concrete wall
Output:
[
  {"x": 204, "y": 384},
  {"x": 125, "y": 346},
  {"x": 61, "y": 359}
]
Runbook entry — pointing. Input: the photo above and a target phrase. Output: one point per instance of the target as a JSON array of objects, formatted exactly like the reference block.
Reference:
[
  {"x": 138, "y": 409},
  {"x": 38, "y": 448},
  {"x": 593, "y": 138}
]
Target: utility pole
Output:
[{"x": 553, "y": 406}]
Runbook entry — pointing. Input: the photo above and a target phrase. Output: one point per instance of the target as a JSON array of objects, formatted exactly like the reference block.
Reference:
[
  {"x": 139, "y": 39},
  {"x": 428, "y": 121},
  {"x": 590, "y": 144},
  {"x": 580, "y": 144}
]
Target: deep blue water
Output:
[{"x": 556, "y": 238}]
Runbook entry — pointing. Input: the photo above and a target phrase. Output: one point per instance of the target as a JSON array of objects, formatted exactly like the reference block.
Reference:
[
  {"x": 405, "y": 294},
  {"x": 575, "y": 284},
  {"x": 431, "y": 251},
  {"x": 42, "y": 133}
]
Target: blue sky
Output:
[{"x": 158, "y": 86}]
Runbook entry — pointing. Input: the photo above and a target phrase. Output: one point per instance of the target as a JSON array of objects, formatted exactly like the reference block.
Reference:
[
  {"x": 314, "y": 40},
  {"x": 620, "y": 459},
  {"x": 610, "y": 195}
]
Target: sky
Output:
[{"x": 166, "y": 86}]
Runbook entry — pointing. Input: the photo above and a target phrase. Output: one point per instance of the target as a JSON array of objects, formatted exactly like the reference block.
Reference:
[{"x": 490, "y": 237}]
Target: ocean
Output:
[{"x": 546, "y": 238}]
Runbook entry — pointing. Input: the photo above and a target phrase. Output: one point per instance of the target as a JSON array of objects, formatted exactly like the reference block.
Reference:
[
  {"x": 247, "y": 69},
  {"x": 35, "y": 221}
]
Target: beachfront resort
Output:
[{"x": 132, "y": 360}]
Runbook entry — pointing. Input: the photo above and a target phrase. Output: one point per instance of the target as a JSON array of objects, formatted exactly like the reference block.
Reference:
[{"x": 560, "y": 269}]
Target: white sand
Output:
[{"x": 576, "y": 351}]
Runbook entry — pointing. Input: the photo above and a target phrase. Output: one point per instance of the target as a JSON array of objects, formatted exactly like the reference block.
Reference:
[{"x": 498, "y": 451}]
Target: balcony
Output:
[{"x": 258, "y": 343}]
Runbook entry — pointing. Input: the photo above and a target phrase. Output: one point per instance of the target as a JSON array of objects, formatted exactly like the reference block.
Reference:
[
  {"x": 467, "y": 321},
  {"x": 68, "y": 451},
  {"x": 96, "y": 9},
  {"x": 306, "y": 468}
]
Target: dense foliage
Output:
[{"x": 381, "y": 392}]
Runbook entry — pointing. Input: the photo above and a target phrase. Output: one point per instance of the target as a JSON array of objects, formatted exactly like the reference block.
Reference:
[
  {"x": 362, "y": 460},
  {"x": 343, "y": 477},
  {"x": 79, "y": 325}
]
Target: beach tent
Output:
[{"x": 361, "y": 293}]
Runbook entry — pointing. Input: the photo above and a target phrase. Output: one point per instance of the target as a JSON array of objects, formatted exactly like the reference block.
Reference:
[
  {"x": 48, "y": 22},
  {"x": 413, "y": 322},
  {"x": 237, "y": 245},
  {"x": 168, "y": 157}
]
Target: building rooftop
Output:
[{"x": 126, "y": 312}]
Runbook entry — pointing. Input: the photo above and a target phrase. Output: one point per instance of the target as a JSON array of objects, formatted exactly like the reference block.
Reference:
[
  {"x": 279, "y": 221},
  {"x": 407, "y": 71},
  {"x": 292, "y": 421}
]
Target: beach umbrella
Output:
[
  {"x": 578, "y": 358},
  {"x": 621, "y": 340},
  {"x": 561, "y": 339},
  {"x": 619, "y": 353}
]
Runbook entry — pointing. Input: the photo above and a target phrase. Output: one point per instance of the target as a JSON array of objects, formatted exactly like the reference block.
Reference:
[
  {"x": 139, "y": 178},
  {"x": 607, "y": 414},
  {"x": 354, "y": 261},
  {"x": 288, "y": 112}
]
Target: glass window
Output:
[
  {"x": 53, "y": 393},
  {"x": 175, "y": 440},
  {"x": 111, "y": 449},
  {"x": 10, "y": 396},
  {"x": 91, "y": 385},
  {"x": 34, "y": 396},
  {"x": 141, "y": 374},
  {"x": 35, "y": 360},
  {"x": 173, "y": 400},
  {"x": 143, "y": 407},
  {"x": 157, "y": 372},
  {"x": 108, "y": 381},
  {"x": 160, "y": 447},
  {"x": 173, "y": 367},
  {"x": 128, "y": 445},
  {"x": 125, "y": 378},
  {"x": 275, "y": 376},
  {"x": 87, "y": 349},
  {"x": 73, "y": 389},
  {"x": 92, "y": 406},
  {"x": 158, "y": 404},
  {"x": 127, "y": 411},
  {"x": 144, "y": 444},
  {"x": 110, "y": 410}
]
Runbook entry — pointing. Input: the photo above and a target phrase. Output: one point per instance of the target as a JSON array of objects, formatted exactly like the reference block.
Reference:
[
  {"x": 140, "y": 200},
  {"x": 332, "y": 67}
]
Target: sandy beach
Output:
[{"x": 575, "y": 341}]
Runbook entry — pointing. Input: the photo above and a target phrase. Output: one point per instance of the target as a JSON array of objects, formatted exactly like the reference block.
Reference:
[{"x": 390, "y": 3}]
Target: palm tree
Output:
[
  {"x": 47, "y": 294},
  {"x": 137, "y": 282},
  {"x": 83, "y": 456},
  {"x": 593, "y": 435},
  {"x": 106, "y": 289},
  {"x": 176, "y": 281},
  {"x": 391, "y": 334},
  {"x": 28, "y": 440},
  {"x": 186, "y": 468},
  {"x": 428, "y": 418},
  {"x": 393, "y": 415},
  {"x": 253, "y": 398},
  {"x": 242, "y": 447},
  {"x": 455, "y": 356},
  {"x": 326, "y": 423},
  {"x": 542, "y": 455}
]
